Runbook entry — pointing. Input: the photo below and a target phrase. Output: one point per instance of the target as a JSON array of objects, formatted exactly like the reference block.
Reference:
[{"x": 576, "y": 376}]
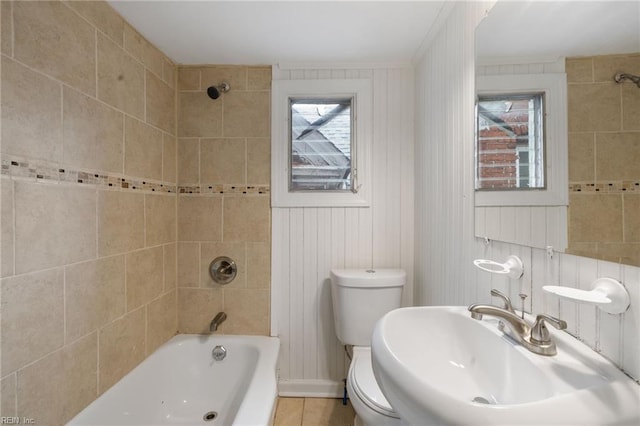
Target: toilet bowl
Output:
[
  {"x": 370, "y": 405},
  {"x": 360, "y": 298}
]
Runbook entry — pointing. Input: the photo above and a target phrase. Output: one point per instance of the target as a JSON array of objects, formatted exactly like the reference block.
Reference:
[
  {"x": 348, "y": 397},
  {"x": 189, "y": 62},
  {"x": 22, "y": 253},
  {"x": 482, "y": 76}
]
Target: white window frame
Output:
[
  {"x": 361, "y": 92},
  {"x": 554, "y": 87}
]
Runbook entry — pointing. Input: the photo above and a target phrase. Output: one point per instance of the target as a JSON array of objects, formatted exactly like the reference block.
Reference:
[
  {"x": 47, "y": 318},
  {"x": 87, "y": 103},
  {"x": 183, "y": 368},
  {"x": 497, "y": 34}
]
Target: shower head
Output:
[
  {"x": 620, "y": 77},
  {"x": 214, "y": 91}
]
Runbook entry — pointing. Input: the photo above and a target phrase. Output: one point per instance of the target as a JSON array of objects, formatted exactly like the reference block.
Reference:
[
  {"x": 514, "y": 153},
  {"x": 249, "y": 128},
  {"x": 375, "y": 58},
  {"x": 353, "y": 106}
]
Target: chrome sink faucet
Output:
[
  {"x": 534, "y": 337},
  {"x": 216, "y": 321}
]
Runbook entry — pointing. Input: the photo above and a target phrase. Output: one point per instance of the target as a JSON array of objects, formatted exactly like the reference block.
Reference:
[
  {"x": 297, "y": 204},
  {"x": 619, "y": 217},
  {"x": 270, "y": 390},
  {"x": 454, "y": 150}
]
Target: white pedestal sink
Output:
[{"x": 436, "y": 365}]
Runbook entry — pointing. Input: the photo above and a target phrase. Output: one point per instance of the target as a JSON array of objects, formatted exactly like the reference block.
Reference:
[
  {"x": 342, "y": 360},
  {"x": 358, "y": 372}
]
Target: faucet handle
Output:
[
  {"x": 539, "y": 331},
  {"x": 505, "y": 299}
]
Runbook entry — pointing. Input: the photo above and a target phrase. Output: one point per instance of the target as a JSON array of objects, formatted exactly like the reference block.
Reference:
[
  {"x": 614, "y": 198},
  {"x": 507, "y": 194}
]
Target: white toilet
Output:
[{"x": 361, "y": 297}]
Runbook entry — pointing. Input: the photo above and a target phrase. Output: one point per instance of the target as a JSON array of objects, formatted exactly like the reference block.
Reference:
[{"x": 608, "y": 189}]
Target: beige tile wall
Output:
[
  {"x": 224, "y": 142},
  {"x": 97, "y": 273},
  {"x": 604, "y": 154},
  {"x": 89, "y": 271}
]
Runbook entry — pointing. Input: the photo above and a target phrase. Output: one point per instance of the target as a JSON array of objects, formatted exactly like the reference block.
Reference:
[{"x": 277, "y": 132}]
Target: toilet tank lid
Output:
[{"x": 368, "y": 277}]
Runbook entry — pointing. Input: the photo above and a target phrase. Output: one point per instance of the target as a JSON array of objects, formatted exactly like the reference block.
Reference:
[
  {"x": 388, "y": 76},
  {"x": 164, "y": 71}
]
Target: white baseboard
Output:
[{"x": 311, "y": 388}]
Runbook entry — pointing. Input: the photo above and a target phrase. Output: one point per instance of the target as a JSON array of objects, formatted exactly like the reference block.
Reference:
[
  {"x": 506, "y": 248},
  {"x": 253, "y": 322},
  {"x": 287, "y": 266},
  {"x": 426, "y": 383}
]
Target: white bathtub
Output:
[{"x": 181, "y": 382}]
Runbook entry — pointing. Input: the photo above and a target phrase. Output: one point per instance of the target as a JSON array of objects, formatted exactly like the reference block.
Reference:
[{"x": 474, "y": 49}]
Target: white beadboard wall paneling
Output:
[
  {"x": 493, "y": 219},
  {"x": 422, "y": 218},
  {"x": 479, "y": 222},
  {"x": 280, "y": 303},
  {"x": 538, "y": 271},
  {"x": 558, "y": 236},
  {"x": 380, "y": 162},
  {"x": 327, "y": 363},
  {"x": 336, "y": 67},
  {"x": 338, "y": 260},
  {"x": 308, "y": 242},
  {"x": 406, "y": 165},
  {"x": 393, "y": 124},
  {"x": 296, "y": 293},
  {"x": 310, "y": 290},
  {"x": 523, "y": 230},
  {"x": 508, "y": 223},
  {"x": 535, "y": 226},
  {"x": 538, "y": 226},
  {"x": 444, "y": 168}
]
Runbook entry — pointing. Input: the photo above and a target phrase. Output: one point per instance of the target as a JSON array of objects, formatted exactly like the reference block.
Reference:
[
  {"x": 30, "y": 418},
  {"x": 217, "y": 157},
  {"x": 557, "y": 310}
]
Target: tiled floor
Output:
[{"x": 313, "y": 412}]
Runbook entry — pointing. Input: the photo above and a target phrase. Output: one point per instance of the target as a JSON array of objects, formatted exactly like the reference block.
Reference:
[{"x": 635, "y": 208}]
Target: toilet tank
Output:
[{"x": 360, "y": 298}]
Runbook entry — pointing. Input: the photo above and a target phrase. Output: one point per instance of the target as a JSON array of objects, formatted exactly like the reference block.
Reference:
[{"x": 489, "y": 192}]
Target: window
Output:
[
  {"x": 521, "y": 140},
  {"x": 321, "y": 135},
  {"x": 321, "y": 144},
  {"x": 510, "y": 142}
]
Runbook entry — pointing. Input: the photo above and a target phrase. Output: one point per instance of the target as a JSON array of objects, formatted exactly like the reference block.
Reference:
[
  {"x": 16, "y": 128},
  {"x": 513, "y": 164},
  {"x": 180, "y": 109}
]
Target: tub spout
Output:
[{"x": 216, "y": 321}]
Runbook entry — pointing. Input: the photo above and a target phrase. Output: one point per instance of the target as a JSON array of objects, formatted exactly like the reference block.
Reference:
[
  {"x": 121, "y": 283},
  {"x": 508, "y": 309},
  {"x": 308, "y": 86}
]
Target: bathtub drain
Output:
[{"x": 211, "y": 415}]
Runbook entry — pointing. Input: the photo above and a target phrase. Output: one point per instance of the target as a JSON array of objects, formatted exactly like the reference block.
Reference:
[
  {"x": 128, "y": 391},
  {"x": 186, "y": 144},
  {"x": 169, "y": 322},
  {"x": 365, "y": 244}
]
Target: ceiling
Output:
[
  {"x": 559, "y": 28},
  {"x": 271, "y": 32}
]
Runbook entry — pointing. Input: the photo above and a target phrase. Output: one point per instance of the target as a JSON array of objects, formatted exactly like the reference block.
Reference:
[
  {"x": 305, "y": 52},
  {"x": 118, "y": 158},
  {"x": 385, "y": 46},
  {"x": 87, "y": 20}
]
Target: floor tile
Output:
[
  {"x": 289, "y": 412},
  {"x": 326, "y": 412}
]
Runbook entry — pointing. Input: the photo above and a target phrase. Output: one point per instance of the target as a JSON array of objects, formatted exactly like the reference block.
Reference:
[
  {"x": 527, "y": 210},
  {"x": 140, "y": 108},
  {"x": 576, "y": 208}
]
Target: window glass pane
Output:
[
  {"x": 321, "y": 147},
  {"x": 510, "y": 142}
]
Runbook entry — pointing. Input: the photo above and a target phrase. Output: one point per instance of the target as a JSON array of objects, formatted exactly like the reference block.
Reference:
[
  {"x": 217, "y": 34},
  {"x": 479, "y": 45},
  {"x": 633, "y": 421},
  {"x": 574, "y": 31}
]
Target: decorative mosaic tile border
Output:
[
  {"x": 224, "y": 189},
  {"x": 608, "y": 187},
  {"x": 20, "y": 168},
  {"x": 46, "y": 172}
]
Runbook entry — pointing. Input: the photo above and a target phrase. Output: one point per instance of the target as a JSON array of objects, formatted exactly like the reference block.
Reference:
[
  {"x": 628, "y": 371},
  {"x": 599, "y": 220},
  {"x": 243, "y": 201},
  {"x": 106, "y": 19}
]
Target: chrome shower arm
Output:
[{"x": 620, "y": 77}]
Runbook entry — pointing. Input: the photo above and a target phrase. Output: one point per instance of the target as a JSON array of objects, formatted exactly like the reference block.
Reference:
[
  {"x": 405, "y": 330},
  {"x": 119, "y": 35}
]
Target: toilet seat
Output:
[{"x": 364, "y": 383}]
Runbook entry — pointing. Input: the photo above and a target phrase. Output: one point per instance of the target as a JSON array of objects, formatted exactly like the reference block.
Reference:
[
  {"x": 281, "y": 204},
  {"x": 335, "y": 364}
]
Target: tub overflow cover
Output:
[{"x": 219, "y": 353}]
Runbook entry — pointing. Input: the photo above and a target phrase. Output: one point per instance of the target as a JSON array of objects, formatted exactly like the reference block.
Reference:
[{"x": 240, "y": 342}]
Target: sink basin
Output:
[{"x": 436, "y": 365}]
